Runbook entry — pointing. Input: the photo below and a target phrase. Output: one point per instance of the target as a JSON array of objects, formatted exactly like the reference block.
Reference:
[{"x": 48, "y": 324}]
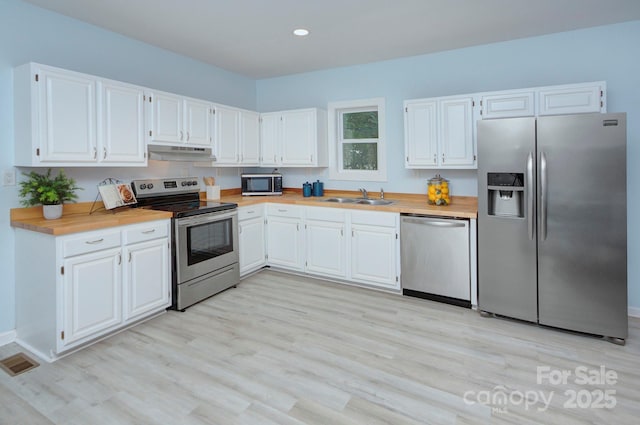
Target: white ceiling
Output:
[{"x": 254, "y": 37}]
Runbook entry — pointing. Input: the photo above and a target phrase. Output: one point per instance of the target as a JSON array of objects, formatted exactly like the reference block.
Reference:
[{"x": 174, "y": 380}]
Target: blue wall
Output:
[
  {"x": 32, "y": 34},
  {"x": 610, "y": 53}
]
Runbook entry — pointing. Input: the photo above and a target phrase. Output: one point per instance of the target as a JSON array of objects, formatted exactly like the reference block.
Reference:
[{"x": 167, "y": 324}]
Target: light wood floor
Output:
[{"x": 283, "y": 349}]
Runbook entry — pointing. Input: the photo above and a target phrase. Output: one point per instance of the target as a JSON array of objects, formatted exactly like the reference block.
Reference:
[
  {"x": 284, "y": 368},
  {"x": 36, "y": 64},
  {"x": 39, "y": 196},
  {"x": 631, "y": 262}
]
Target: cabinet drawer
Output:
[
  {"x": 281, "y": 210},
  {"x": 374, "y": 218},
  {"x": 246, "y": 213},
  {"x": 146, "y": 232},
  {"x": 326, "y": 214},
  {"x": 90, "y": 242}
]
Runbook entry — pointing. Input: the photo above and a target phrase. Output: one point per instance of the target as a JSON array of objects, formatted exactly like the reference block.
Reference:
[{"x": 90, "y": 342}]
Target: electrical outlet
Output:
[{"x": 9, "y": 178}]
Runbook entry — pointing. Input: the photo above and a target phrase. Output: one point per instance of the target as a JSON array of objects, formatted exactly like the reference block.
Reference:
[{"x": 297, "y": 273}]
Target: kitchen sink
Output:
[
  {"x": 342, "y": 200},
  {"x": 374, "y": 202},
  {"x": 360, "y": 201}
]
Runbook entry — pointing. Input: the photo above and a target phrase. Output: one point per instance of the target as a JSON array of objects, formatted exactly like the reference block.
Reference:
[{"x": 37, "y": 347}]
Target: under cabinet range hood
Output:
[{"x": 179, "y": 153}]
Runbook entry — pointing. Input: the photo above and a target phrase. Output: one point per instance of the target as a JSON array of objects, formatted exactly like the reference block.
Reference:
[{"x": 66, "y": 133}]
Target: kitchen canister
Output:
[
  {"x": 318, "y": 188},
  {"x": 438, "y": 191},
  {"x": 306, "y": 189}
]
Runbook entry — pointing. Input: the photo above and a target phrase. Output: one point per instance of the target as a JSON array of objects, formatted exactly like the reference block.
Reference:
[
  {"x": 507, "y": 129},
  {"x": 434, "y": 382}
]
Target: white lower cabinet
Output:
[
  {"x": 251, "y": 235},
  {"x": 355, "y": 246},
  {"x": 147, "y": 278},
  {"x": 92, "y": 295},
  {"x": 326, "y": 242},
  {"x": 375, "y": 248},
  {"x": 88, "y": 284},
  {"x": 285, "y": 237}
]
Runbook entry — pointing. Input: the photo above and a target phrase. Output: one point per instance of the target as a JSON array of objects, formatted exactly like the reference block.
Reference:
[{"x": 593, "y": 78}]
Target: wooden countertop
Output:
[
  {"x": 461, "y": 206},
  {"x": 76, "y": 218}
]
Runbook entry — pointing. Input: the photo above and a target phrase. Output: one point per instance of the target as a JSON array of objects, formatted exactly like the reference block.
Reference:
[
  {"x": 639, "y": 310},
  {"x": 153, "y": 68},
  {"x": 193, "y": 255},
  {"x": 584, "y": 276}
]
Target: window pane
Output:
[
  {"x": 360, "y": 156},
  {"x": 360, "y": 125}
]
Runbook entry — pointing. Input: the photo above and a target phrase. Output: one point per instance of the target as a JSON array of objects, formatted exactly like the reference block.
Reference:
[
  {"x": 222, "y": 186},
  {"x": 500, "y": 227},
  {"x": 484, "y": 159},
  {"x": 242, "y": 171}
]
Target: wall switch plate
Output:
[{"x": 9, "y": 178}]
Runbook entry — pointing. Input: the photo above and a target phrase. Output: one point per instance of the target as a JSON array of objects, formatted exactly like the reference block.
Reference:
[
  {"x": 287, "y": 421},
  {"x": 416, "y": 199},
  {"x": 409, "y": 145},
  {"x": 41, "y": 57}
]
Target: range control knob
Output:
[
  {"x": 184, "y": 183},
  {"x": 195, "y": 183},
  {"x": 143, "y": 186},
  {"x": 150, "y": 186}
]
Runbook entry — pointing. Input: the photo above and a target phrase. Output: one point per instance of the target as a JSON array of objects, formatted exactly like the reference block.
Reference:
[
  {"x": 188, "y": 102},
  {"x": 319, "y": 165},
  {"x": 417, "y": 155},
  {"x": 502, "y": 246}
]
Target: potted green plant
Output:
[{"x": 49, "y": 191}]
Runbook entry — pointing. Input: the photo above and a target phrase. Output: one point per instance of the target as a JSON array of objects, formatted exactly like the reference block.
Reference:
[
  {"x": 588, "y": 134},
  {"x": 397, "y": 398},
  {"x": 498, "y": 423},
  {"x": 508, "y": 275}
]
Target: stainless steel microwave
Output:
[{"x": 261, "y": 184}]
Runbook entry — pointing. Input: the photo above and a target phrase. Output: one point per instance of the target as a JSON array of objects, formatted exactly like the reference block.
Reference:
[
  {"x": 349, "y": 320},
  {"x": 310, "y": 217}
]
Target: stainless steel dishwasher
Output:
[{"x": 435, "y": 259}]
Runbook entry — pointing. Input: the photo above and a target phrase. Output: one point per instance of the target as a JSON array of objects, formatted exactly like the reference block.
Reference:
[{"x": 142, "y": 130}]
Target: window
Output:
[{"x": 356, "y": 140}]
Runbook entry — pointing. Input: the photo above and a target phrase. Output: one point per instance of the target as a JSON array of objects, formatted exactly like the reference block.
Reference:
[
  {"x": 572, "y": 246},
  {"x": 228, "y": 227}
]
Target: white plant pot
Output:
[{"x": 52, "y": 212}]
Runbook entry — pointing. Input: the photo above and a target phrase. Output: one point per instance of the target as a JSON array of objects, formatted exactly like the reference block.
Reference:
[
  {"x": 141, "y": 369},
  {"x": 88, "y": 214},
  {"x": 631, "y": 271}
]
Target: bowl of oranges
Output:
[{"x": 438, "y": 191}]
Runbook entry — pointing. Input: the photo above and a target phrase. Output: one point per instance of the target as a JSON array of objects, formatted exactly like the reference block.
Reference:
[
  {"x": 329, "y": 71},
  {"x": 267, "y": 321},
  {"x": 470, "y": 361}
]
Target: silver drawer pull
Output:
[
  {"x": 95, "y": 241},
  {"x": 251, "y": 212},
  {"x": 279, "y": 210},
  {"x": 146, "y": 232}
]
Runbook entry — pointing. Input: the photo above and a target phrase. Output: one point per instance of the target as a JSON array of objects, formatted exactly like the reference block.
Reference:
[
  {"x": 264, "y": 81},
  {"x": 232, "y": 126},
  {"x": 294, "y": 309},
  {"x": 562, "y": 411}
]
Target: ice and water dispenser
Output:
[{"x": 506, "y": 194}]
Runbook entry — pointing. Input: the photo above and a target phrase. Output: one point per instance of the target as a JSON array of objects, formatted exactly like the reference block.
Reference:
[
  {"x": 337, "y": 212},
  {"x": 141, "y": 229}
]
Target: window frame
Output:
[{"x": 336, "y": 141}]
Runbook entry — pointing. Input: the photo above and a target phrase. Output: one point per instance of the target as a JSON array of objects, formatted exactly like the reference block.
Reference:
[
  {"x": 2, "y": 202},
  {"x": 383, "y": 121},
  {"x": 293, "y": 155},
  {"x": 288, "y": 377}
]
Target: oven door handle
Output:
[{"x": 205, "y": 218}]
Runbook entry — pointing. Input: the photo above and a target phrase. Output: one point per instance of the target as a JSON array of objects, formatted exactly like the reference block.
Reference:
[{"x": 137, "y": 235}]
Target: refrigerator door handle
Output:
[
  {"x": 530, "y": 195},
  {"x": 543, "y": 196}
]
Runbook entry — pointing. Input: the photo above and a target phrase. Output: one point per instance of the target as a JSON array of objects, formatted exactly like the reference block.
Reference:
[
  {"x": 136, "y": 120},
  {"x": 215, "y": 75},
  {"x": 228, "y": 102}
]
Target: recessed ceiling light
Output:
[{"x": 301, "y": 32}]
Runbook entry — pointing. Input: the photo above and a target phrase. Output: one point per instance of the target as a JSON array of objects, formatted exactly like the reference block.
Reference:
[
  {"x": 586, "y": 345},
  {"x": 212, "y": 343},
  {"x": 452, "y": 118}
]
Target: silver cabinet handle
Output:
[
  {"x": 96, "y": 241},
  {"x": 188, "y": 136},
  {"x": 435, "y": 158},
  {"x": 181, "y": 135},
  {"x": 240, "y": 228},
  {"x": 274, "y": 159},
  {"x": 129, "y": 256},
  {"x": 95, "y": 153},
  {"x": 119, "y": 259},
  {"x": 146, "y": 232},
  {"x": 104, "y": 153},
  {"x": 543, "y": 196},
  {"x": 530, "y": 216}
]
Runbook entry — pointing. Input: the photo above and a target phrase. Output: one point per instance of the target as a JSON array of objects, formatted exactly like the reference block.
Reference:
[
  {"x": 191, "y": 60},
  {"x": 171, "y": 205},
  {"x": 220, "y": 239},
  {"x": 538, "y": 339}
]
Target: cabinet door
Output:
[
  {"x": 285, "y": 243},
  {"x": 250, "y": 138},
  {"x": 227, "y": 135},
  {"x": 197, "y": 122},
  {"x": 92, "y": 298},
  {"x": 421, "y": 134},
  {"x": 373, "y": 255},
  {"x": 167, "y": 118},
  {"x": 326, "y": 248},
  {"x": 298, "y": 137},
  {"x": 456, "y": 132},
  {"x": 67, "y": 117},
  {"x": 251, "y": 235},
  {"x": 575, "y": 99},
  {"x": 121, "y": 133},
  {"x": 146, "y": 288},
  {"x": 269, "y": 139},
  {"x": 508, "y": 105}
]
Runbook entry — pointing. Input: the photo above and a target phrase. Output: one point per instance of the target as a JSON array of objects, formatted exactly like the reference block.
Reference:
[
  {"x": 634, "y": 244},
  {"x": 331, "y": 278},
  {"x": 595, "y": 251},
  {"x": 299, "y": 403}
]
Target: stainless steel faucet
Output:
[
  {"x": 381, "y": 193},
  {"x": 364, "y": 193}
]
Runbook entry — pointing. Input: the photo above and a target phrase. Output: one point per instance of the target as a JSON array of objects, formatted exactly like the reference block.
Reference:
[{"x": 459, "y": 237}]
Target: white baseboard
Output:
[
  {"x": 633, "y": 311},
  {"x": 7, "y": 337}
]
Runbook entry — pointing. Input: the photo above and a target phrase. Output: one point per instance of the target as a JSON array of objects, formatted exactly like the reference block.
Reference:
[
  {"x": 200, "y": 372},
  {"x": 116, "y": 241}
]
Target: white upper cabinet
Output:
[
  {"x": 572, "y": 99},
  {"x": 179, "y": 120},
  {"x": 249, "y": 138},
  {"x": 197, "y": 115},
  {"x": 551, "y": 100},
  {"x": 270, "y": 138},
  {"x": 237, "y": 137},
  {"x": 439, "y": 133},
  {"x": 508, "y": 104},
  {"x": 64, "y": 118},
  {"x": 121, "y": 123},
  {"x": 295, "y": 138}
]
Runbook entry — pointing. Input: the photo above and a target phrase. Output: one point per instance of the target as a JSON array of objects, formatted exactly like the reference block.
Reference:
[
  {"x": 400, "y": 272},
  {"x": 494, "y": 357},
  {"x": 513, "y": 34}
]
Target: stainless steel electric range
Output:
[{"x": 204, "y": 245}]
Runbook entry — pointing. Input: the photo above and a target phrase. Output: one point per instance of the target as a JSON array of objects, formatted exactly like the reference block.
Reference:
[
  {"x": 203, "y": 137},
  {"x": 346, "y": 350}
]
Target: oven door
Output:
[{"x": 205, "y": 243}]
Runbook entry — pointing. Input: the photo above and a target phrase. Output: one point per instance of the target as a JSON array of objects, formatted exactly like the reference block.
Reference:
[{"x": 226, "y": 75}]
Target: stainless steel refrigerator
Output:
[{"x": 552, "y": 221}]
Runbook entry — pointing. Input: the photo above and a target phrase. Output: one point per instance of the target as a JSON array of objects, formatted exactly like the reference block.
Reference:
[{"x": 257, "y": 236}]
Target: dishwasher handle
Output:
[{"x": 435, "y": 222}]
